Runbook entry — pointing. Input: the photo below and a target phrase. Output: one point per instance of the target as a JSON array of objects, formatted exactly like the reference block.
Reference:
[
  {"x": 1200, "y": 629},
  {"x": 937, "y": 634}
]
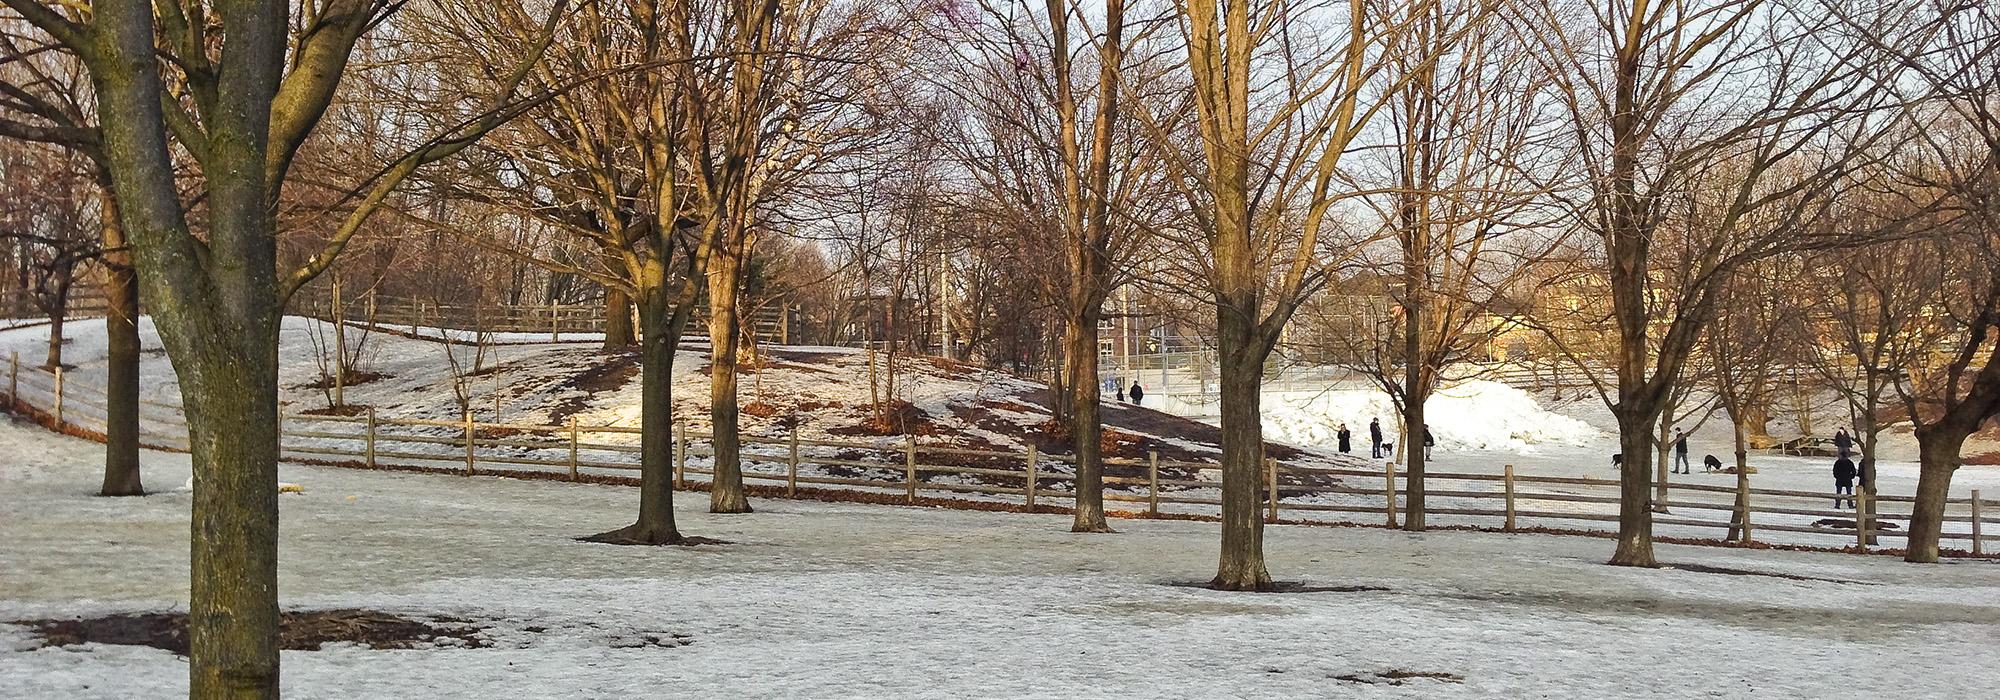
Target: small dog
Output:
[
  {"x": 1710, "y": 464},
  {"x": 1617, "y": 460}
]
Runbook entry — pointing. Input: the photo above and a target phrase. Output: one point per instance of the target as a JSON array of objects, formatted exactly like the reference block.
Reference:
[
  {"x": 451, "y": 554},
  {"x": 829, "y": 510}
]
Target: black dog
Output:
[{"x": 1711, "y": 464}]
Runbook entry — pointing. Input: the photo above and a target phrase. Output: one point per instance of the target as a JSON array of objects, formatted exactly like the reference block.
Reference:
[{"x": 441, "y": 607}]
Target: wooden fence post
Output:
[
  {"x": 910, "y": 468},
  {"x": 59, "y": 396},
  {"x": 1863, "y": 520},
  {"x": 792, "y": 467},
  {"x": 574, "y": 438},
  {"x": 470, "y": 442},
  {"x": 680, "y": 455},
  {"x": 1034, "y": 475},
  {"x": 371, "y": 438},
  {"x": 1153, "y": 483},
  {"x": 14, "y": 378},
  {"x": 555, "y": 323},
  {"x": 1271, "y": 485},
  {"x": 1977, "y": 548},
  {"x": 1389, "y": 491},
  {"x": 1743, "y": 504},
  {"x": 1507, "y": 478},
  {"x": 339, "y": 346}
]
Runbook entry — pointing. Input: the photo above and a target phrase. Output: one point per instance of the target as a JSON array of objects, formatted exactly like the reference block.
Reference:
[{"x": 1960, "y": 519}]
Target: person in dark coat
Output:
[
  {"x": 1843, "y": 482},
  {"x": 1137, "y": 393},
  {"x": 1681, "y": 453},
  {"x": 1121, "y": 394},
  {"x": 1428, "y": 441},
  {"x": 1375, "y": 437},
  {"x": 1843, "y": 443},
  {"x": 1345, "y": 439}
]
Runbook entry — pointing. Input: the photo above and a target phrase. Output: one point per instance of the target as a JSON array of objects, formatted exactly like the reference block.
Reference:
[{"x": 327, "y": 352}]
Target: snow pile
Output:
[{"x": 1482, "y": 415}]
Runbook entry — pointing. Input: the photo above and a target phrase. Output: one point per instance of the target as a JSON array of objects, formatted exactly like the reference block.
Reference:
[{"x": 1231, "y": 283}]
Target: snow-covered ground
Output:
[{"x": 829, "y": 600}]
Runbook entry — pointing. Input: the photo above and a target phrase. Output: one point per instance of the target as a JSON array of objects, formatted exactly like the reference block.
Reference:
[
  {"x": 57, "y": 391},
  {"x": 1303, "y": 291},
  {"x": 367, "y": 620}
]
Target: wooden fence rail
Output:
[{"x": 910, "y": 468}]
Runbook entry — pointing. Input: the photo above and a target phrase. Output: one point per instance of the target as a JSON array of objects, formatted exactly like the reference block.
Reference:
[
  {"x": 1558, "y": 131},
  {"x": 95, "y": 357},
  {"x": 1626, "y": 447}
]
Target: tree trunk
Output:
[
  {"x": 121, "y": 387},
  {"x": 232, "y": 416},
  {"x": 662, "y": 322},
  {"x": 617, "y": 319},
  {"x": 1086, "y": 429},
  {"x": 1242, "y": 562},
  {"x": 58, "y": 310},
  {"x": 725, "y": 492},
  {"x": 1413, "y": 452},
  {"x": 1938, "y": 455},
  {"x": 1635, "y": 521},
  {"x": 1871, "y": 433}
]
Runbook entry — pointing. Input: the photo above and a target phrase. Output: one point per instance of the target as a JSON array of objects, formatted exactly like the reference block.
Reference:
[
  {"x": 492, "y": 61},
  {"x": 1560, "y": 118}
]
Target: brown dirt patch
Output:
[
  {"x": 900, "y": 418},
  {"x": 760, "y": 409},
  {"x": 349, "y": 410},
  {"x": 1397, "y": 676},
  {"x": 613, "y": 373},
  {"x": 354, "y": 378},
  {"x": 298, "y": 630},
  {"x": 1983, "y": 459}
]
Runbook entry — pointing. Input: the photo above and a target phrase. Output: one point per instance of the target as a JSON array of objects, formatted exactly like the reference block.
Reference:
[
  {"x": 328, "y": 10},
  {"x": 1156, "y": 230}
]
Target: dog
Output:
[
  {"x": 1710, "y": 464},
  {"x": 1617, "y": 460}
]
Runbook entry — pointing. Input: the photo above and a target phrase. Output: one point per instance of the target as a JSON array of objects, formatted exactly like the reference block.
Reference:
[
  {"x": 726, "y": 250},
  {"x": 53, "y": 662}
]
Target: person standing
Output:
[
  {"x": 1375, "y": 437},
  {"x": 1428, "y": 441},
  {"x": 1121, "y": 394},
  {"x": 1681, "y": 453},
  {"x": 1843, "y": 481},
  {"x": 1345, "y": 438},
  {"x": 1137, "y": 393},
  {"x": 1843, "y": 443}
]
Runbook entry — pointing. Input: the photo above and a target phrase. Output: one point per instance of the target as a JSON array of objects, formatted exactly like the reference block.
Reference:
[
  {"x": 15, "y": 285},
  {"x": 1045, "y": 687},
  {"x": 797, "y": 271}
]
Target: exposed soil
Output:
[
  {"x": 1283, "y": 587},
  {"x": 351, "y": 409},
  {"x": 354, "y": 378},
  {"x": 613, "y": 373},
  {"x": 298, "y": 630},
  {"x": 902, "y": 418},
  {"x": 1397, "y": 676},
  {"x": 1849, "y": 524}
]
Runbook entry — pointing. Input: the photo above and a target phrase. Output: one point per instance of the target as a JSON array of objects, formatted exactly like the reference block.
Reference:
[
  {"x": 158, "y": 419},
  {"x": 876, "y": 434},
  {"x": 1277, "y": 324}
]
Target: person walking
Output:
[
  {"x": 1137, "y": 392},
  {"x": 1121, "y": 394},
  {"x": 1681, "y": 453},
  {"x": 1843, "y": 481},
  {"x": 1375, "y": 437},
  {"x": 1345, "y": 438},
  {"x": 1428, "y": 441},
  {"x": 1843, "y": 443}
]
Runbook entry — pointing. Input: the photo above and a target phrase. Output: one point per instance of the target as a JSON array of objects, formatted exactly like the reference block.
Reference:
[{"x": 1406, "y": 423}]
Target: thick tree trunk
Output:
[
  {"x": 232, "y": 417},
  {"x": 1086, "y": 429},
  {"x": 725, "y": 493},
  {"x": 1635, "y": 521},
  {"x": 1242, "y": 366},
  {"x": 1871, "y": 436},
  {"x": 58, "y": 316},
  {"x": 1938, "y": 455},
  {"x": 121, "y": 387},
  {"x": 617, "y": 320}
]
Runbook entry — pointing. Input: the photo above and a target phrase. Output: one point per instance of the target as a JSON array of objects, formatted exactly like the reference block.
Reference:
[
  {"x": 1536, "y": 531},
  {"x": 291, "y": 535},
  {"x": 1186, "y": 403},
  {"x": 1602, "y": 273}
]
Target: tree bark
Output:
[
  {"x": 725, "y": 494},
  {"x": 1635, "y": 522},
  {"x": 1086, "y": 428},
  {"x": 57, "y": 306},
  {"x": 1242, "y": 562},
  {"x": 233, "y": 435},
  {"x": 1938, "y": 450},
  {"x": 617, "y": 320},
  {"x": 661, "y": 321},
  {"x": 121, "y": 388}
]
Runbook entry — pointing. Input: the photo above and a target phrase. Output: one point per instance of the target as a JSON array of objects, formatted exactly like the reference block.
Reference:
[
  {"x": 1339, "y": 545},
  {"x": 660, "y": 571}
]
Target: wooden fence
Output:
[
  {"x": 911, "y": 468},
  {"x": 771, "y": 324}
]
